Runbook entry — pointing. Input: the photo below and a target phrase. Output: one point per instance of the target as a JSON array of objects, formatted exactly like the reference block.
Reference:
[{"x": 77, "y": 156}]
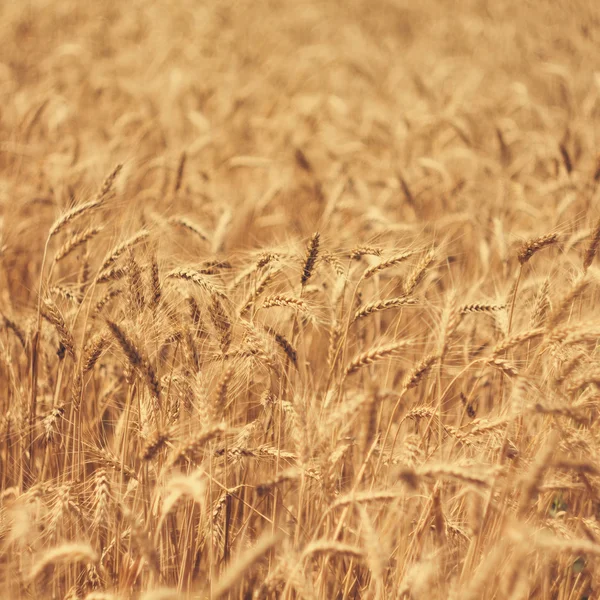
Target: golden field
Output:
[{"x": 299, "y": 300}]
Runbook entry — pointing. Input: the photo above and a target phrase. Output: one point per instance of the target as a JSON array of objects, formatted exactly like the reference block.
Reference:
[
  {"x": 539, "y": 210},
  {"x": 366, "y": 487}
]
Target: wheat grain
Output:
[
  {"x": 196, "y": 277},
  {"x": 136, "y": 358},
  {"x": 135, "y": 289},
  {"x": 93, "y": 350},
  {"x": 417, "y": 275},
  {"x": 120, "y": 249},
  {"x": 76, "y": 241},
  {"x": 284, "y": 300},
  {"x": 360, "y": 251},
  {"x": 155, "y": 287},
  {"x": 111, "y": 274},
  {"x": 592, "y": 248},
  {"x": 386, "y": 264},
  {"x": 16, "y": 329},
  {"x": 517, "y": 340},
  {"x": 541, "y": 306},
  {"x": 242, "y": 564},
  {"x": 110, "y": 295},
  {"x": 72, "y": 215},
  {"x": 189, "y": 225},
  {"x": 419, "y": 372},
  {"x": 333, "y": 548},
  {"x": 180, "y": 172},
  {"x": 530, "y": 247},
  {"x": 53, "y": 315},
  {"x": 312, "y": 253},
  {"x": 190, "y": 447},
  {"x": 257, "y": 290},
  {"x": 221, "y": 322},
  {"x": 66, "y": 553},
  {"x": 381, "y": 305},
  {"x": 481, "y": 307},
  {"x": 154, "y": 445},
  {"x": 371, "y": 356}
]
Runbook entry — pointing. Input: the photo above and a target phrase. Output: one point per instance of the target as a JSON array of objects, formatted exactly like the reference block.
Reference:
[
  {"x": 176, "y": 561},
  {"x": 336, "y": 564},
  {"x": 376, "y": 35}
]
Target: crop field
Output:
[{"x": 300, "y": 299}]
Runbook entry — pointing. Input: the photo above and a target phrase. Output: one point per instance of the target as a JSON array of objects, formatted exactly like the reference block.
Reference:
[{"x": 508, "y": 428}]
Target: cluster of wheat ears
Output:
[{"x": 299, "y": 300}]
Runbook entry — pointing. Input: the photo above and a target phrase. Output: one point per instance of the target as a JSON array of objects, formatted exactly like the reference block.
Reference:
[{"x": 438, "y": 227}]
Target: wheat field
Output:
[{"x": 299, "y": 300}]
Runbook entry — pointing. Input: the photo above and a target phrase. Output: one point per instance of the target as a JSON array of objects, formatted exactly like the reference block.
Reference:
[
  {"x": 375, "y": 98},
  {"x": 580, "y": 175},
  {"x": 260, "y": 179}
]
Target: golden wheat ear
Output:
[{"x": 312, "y": 253}]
